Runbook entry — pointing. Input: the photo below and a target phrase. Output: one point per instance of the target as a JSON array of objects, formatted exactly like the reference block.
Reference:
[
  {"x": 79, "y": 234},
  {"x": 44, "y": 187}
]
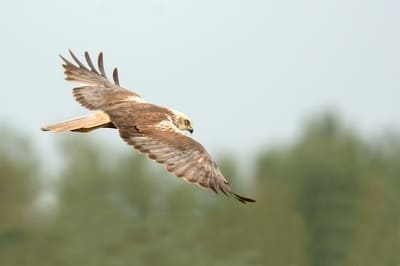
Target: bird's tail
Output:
[{"x": 84, "y": 124}]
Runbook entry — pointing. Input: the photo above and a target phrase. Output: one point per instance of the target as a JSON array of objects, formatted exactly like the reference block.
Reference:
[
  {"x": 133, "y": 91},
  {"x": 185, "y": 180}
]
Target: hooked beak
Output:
[{"x": 190, "y": 129}]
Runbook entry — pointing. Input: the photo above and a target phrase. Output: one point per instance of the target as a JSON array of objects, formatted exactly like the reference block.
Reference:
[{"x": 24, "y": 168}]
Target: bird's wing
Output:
[
  {"x": 97, "y": 91},
  {"x": 157, "y": 137}
]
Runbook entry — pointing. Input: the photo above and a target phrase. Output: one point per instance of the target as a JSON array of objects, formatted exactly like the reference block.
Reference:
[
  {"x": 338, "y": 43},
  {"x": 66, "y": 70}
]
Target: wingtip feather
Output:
[{"x": 242, "y": 199}]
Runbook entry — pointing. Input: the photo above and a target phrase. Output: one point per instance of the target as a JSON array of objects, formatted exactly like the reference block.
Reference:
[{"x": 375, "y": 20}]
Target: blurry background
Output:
[{"x": 296, "y": 100}]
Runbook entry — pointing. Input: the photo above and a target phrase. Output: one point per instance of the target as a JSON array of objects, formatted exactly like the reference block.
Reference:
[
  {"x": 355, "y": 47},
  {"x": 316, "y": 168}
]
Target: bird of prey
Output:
[{"x": 157, "y": 132}]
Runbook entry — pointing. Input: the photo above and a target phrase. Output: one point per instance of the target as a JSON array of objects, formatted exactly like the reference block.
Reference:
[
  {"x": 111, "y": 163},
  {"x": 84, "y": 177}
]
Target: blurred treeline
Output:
[{"x": 328, "y": 198}]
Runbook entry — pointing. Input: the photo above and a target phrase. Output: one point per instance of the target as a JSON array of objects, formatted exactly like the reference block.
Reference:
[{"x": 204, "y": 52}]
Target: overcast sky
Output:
[{"x": 246, "y": 72}]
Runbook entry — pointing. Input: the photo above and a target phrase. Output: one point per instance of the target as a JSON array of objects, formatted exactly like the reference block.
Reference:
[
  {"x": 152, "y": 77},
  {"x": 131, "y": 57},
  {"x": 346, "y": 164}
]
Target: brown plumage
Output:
[{"x": 153, "y": 130}]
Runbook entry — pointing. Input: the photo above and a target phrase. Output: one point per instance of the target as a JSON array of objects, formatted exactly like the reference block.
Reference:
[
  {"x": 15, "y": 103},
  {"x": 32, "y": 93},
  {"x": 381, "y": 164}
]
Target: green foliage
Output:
[
  {"x": 345, "y": 190},
  {"x": 18, "y": 173},
  {"x": 329, "y": 198}
]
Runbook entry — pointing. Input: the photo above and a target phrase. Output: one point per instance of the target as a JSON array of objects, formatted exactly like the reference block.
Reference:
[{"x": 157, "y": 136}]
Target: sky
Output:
[{"x": 246, "y": 72}]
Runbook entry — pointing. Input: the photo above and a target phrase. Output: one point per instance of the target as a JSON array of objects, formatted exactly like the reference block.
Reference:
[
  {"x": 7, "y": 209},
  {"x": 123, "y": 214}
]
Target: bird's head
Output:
[{"x": 183, "y": 122}]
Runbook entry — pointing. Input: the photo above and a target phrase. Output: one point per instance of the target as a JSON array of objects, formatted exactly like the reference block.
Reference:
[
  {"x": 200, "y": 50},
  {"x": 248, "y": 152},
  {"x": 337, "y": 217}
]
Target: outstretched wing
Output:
[
  {"x": 152, "y": 133},
  {"x": 97, "y": 91}
]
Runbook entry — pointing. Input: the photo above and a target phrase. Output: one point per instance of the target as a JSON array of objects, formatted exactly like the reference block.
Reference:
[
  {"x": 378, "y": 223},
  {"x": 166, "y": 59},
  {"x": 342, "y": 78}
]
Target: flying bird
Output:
[{"x": 156, "y": 131}]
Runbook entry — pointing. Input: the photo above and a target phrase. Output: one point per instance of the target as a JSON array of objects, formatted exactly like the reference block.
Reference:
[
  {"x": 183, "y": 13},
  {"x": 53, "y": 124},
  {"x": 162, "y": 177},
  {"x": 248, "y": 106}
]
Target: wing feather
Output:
[
  {"x": 90, "y": 63},
  {"x": 115, "y": 76},
  {"x": 97, "y": 91},
  {"x": 180, "y": 154},
  {"x": 100, "y": 63},
  {"x": 77, "y": 60}
]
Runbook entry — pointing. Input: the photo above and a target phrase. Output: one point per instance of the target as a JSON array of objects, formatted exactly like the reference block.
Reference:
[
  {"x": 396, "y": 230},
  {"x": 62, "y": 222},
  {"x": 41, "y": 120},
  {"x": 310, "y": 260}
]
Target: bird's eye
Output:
[{"x": 187, "y": 122}]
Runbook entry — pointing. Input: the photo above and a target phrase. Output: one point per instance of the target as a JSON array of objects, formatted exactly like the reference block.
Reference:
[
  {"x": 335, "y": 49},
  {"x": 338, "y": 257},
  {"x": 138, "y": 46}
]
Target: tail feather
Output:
[{"x": 85, "y": 123}]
